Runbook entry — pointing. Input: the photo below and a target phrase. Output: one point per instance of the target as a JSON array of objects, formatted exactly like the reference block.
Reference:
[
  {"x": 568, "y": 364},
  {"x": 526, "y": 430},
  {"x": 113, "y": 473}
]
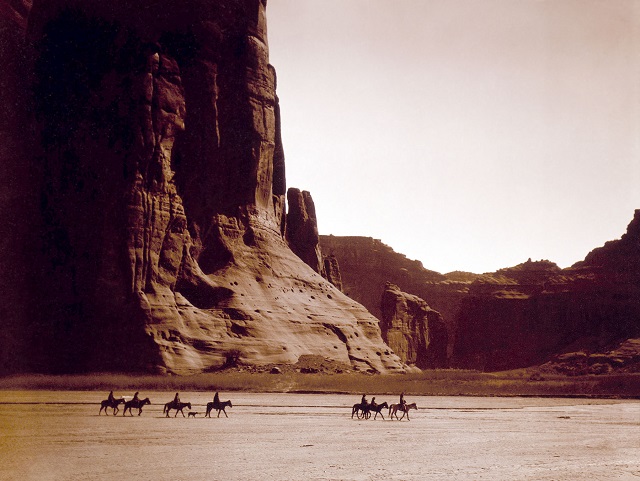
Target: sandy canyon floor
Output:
[{"x": 55, "y": 435}]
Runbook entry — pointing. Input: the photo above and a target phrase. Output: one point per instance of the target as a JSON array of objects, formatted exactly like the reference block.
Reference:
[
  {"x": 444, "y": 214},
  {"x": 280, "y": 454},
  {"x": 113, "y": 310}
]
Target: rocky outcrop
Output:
[
  {"x": 519, "y": 316},
  {"x": 623, "y": 358},
  {"x": 302, "y": 229},
  {"x": 332, "y": 271},
  {"x": 302, "y": 236},
  {"x": 412, "y": 329},
  {"x": 366, "y": 265},
  {"x": 159, "y": 174}
]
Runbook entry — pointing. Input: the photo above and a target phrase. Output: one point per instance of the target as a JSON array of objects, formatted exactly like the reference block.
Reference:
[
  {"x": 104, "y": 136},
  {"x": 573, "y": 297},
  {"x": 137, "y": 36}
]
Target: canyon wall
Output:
[
  {"x": 154, "y": 185},
  {"x": 519, "y": 316}
]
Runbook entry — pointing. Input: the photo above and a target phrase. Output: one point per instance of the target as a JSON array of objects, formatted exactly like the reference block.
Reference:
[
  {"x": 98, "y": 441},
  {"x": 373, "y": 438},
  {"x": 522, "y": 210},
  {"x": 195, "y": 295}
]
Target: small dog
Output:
[{"x": 193, "y": 414}]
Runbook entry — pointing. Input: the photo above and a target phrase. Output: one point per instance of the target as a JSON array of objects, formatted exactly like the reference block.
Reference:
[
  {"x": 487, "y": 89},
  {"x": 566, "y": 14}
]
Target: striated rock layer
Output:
[
  {"x": 159, "y": 177},
  {"x": 523, "y": 315}
]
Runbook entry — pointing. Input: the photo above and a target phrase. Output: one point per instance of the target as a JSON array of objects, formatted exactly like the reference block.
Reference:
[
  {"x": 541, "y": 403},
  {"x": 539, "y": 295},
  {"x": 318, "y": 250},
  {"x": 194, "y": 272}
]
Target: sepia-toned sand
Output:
[{"x": 54, "y": 435}]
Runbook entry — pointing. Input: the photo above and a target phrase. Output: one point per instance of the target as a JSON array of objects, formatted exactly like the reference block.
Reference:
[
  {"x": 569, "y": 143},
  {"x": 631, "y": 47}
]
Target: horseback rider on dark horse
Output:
[
  {"x": 371, "y": 407},
  {"x": 364, "y": 405}
]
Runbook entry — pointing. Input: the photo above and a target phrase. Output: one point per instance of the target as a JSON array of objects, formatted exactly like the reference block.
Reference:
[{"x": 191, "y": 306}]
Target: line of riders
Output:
[
  {"x": 363, "y": 409},
  {"x": 175, "y": 404}
]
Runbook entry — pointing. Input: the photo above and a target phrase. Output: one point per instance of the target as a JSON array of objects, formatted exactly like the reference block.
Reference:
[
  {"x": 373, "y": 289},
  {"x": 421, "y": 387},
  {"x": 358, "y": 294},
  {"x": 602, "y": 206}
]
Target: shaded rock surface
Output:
[
  {"x": 18, "y": 199},
  {"x": 519, "y": 316},
  {"x": 332, "y": 271},
  {"x": 366, "y": 265},
  {"x": 155, "y": 180},
  {"x": 302, "y": 229},
  {"x": 412, "y": 329}
]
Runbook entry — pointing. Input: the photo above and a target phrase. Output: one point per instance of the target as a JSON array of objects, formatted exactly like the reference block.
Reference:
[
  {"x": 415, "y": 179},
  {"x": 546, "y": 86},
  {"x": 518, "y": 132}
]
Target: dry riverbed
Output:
[{"x": 58, "y": 435}]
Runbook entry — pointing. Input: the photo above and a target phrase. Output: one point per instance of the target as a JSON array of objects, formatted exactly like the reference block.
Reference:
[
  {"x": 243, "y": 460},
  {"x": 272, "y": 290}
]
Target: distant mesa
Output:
[{"x": 519, "y": 316}]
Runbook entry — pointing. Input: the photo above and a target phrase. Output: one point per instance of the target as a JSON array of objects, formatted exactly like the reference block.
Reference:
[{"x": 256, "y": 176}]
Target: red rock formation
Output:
[
  {"x": 332, "y": 271},
  {"x": 161, "y": 179},
  {"x": 518, "y": 316},
  {"x": 302, "y": 229},
  {"x": 412, "y": 329},
  {"x": 366, "y": 266}
]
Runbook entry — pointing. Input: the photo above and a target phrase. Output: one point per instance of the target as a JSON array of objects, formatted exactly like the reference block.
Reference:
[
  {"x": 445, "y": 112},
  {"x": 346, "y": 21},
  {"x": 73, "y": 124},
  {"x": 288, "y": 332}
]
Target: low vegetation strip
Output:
[{"x": 444, "y": 382}]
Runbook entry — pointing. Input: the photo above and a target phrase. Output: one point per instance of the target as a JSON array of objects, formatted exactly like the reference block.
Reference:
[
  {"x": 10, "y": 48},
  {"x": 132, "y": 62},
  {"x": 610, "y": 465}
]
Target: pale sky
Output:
[{"x": 467, "y": 134}]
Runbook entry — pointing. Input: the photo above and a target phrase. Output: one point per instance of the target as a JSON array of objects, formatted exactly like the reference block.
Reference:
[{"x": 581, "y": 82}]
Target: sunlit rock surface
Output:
[{"x": 157, "y": 197}]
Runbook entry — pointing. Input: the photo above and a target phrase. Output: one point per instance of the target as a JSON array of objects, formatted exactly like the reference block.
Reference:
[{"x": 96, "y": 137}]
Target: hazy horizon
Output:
[{"x": 469, "y": 135}]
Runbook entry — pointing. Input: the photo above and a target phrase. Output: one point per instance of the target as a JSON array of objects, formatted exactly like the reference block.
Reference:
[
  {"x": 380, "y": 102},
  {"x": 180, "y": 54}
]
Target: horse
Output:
[
  {"x": 135, "y": 403},
  {"x": 220, "y": 406},
  {"x": 178, "y": 406},
  {"x": 394, "y": 408},
  {"x": 110, "y": 404},
  {"x": 360, "y": 408},
  {"x": 377, "y": 408}
]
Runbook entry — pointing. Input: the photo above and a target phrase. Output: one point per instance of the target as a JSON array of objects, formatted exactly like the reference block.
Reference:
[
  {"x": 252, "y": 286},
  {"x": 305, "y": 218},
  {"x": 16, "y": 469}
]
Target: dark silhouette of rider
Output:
[
  {"x": 363, "y": 401},
  {"x": 403, "y": 403},
  {"x": 373, "y": 401},
  {"x": 111, "y": 399},
  {"x": 176, "y": 399},
  {"x": 216, "y": 399},
  {"x": 135, "y": 397}
]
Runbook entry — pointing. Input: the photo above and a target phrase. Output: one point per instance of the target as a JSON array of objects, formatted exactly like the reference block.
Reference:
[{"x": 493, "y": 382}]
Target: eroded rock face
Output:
[
  {"x": 519, "y": 316},
  {"x": 162, "y": 198},
  {"x": 412, "y": 329},
  {"x": 367, "y": 265},
  {"x": 302, "y": 229},
  {"x": 332, "y": 271}
]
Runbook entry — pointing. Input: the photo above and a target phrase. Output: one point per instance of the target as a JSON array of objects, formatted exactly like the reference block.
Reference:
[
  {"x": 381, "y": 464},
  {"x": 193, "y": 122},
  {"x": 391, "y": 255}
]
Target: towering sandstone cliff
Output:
[{"x": 156, "y": 234}]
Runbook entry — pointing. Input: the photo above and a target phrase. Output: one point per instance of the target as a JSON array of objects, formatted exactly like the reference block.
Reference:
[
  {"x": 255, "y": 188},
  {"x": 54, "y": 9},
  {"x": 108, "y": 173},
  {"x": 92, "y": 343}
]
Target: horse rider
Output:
[
  {"x": 111, "y": 399},
  {"x": 403, "y": 403},
  {"x": 135, "y": 397},
  {"x": 363, "y": 401},
  {"x": 216, "y": 399},
  {"x": 373, "y": 402},
  {"x": 176, "y": 400}
]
